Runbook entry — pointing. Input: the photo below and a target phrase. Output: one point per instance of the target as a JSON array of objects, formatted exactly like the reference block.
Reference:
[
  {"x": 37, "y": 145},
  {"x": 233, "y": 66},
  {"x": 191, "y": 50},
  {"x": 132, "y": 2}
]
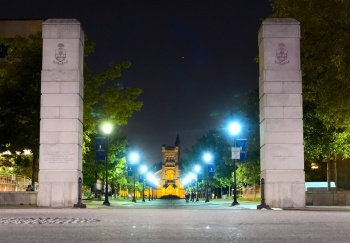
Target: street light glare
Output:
[
  {"x": 107, "y": 128},
  {"x": 143, "y": 169},
  {"x": 134, "y": 157},
  {"x": 151, "y": 178},
  {"x": 207, "y": 157},
  {"x": 197, "y": 168},
  {"x": 188, "y": 179},
  {"x": 234, "y": 128}
]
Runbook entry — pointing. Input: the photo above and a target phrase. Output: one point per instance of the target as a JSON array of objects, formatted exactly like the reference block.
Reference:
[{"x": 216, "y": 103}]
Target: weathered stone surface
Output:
[
  {"x": 61, "y": 125},
  {"x": 281, "y": 124}
]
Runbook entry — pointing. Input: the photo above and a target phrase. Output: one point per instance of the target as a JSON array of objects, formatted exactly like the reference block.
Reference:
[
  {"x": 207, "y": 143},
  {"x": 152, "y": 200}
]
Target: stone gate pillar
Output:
[
  {"x": 61, "y": 113},
  {"x": 281, "y": 114}
]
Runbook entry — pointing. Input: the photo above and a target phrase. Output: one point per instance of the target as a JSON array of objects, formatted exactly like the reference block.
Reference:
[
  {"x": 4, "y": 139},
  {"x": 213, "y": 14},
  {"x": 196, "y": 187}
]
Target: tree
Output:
[
  {"x": 215, "y": 143},
  {"x": 20, "y": 80},
  {"x": 218, "y": 143},
  {"x": 20, "y": 97},
  {"x": 248, "y": 173},
  {"x": 325, "y": 67}
]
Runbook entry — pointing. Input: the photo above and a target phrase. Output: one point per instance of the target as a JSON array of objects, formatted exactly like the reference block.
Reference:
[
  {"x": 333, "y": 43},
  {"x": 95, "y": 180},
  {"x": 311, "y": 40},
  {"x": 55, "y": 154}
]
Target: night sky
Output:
[{"x": 194, "y": 59}]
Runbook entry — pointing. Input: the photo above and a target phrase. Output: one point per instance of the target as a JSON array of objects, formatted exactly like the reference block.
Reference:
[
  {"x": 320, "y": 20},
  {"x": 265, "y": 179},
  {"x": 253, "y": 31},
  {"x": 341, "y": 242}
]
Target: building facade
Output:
[{"x": 169, "y": 176}]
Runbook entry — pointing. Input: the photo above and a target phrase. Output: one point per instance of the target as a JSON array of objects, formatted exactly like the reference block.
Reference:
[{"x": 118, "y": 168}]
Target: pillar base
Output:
[
  {"x": 284, "y": 188},
  {"x": 58, "y": 188}
]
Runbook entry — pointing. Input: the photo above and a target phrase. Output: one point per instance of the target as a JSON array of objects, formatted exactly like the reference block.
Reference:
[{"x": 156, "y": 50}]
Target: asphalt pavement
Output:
[{"x": 173, "y": 221}]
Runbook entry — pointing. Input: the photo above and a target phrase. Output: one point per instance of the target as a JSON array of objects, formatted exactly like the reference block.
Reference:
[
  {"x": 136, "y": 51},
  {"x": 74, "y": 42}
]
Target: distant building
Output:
[
  {"x": 18, "y": 27},
  {"x": 169, "y": 175}
]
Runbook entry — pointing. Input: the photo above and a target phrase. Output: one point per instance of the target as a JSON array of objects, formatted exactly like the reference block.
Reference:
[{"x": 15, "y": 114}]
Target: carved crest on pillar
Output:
[
  {"x": 60, "y": 55},
  {"x": 282, "y": 54}
]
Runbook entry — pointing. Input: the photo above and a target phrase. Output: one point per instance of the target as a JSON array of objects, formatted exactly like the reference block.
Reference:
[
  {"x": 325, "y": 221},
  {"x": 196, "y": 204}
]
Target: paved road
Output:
[{"x": 173, "y": 221}]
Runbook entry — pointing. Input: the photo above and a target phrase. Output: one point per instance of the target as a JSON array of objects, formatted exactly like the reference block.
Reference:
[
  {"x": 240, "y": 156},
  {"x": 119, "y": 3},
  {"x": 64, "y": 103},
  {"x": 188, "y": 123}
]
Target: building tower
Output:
[{"x": 169, "y": 175}]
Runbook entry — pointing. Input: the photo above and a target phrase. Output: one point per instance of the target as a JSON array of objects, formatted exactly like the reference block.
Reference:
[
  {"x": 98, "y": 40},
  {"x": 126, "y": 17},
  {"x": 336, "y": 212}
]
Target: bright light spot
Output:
[
  {"x": 234, "y": 128},
  {"x": 207, "y": 157},
  {"x": 27, "y": 152},
  {"x": 197, "y": 168},
  {"x": 188, "y": 179},
  {"x": 107, "y": 128},
  {"x": 314, "y": 166},
  {"x": 207, "y": 227},
  {"x": 151, "y": 178},
  {"x": 6, "y": 152},
  {"x": 134, "y": 157},
  {"x": 143, "y": 169}
]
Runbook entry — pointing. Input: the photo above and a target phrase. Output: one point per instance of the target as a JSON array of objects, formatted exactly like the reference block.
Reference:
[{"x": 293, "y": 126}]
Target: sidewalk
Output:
[{"x": 215, "y": 204}]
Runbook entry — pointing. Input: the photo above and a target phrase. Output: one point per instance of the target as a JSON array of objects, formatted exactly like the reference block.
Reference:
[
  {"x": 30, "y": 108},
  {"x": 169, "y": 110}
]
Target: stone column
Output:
[
  {"x": 281, "y": 114},
  {"x": 61, "y": 115}
]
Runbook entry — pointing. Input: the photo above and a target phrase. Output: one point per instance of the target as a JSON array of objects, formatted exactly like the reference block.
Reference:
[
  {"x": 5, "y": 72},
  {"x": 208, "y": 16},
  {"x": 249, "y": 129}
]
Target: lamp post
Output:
[
  {"x": 149, "y": 193},
  {"x": 197, "y": 169},
  {"x": 207, "y": 158},
  {"x": 107, "y": 128},
  {"x": 143, "y": 170},
  {"x": 134, "y": 157},
  {"x": 234, "y": 128}
]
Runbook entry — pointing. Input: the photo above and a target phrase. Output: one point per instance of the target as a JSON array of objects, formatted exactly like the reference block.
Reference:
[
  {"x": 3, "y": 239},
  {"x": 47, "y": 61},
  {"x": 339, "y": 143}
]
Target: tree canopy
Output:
[
  {"x": 325, "y": 39},
  {"x": 219, "y": 143},
  {"x": 20, "y": 82}
]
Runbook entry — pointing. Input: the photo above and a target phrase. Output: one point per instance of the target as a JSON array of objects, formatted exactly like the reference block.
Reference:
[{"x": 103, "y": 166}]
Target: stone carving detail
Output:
[
  {"x": 58, "y": 156},
  {"x": 61, "y": 75},
  {"x": 282, "y": 54},
  {"x": 60, "y": 55}
]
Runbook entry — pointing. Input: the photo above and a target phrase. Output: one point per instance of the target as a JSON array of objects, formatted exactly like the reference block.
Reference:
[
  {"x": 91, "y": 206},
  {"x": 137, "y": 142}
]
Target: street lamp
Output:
[
  {"x": 143, "y": 169},
  {"x": 197, "y": 169},
  {"x": 234, "y": 128},
  {"x": 134, "y": 158},
  {"x": 107, "y": 129},
  {"x": 207, "y": 158}
]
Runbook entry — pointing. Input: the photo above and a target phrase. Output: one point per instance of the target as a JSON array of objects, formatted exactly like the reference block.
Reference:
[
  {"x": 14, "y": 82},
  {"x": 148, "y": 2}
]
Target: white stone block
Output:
[
  {"x": 60, "y": 99},
  {"x": 58, "y": 188},
  {"x": 284, "y": 188},
  {"x": 49, "y": 112},
  {"x": 282, "y": 138},
  {"x": 62, "y": 29},
  {"x": 50, "y": 87},
  {"x": 272, "y": 112},
  {"x": 69, "y": 137},
  {"x": 60, "y": 157},
  {"x": 283, "y": 176},
  {"x": 293, "y": 112},
  {"x": 282, "y": 75},
  {"x": 279, "y": 27},
  {"x": 61, "y": 75},
  {"x": 262, "y": 102},
  {"x": 292, "y": 88},
  {"x": 81, "y": 90},
  {"x": 283, "y": 125},
  {"x": 59, "y": 125},
  {"x": 81, "y": 102},
  {"x": 283, "y": 100},
  {"x": 49, "y": 137},
  {"x": 291, "y": 49},
  {"x": 283, "y": 156},
  {"x": 272, "y": 87},
  {"x": 69, "y": 54},
  {"x": 70, "y": 112},
  {"x": 69, "y": 88}
]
